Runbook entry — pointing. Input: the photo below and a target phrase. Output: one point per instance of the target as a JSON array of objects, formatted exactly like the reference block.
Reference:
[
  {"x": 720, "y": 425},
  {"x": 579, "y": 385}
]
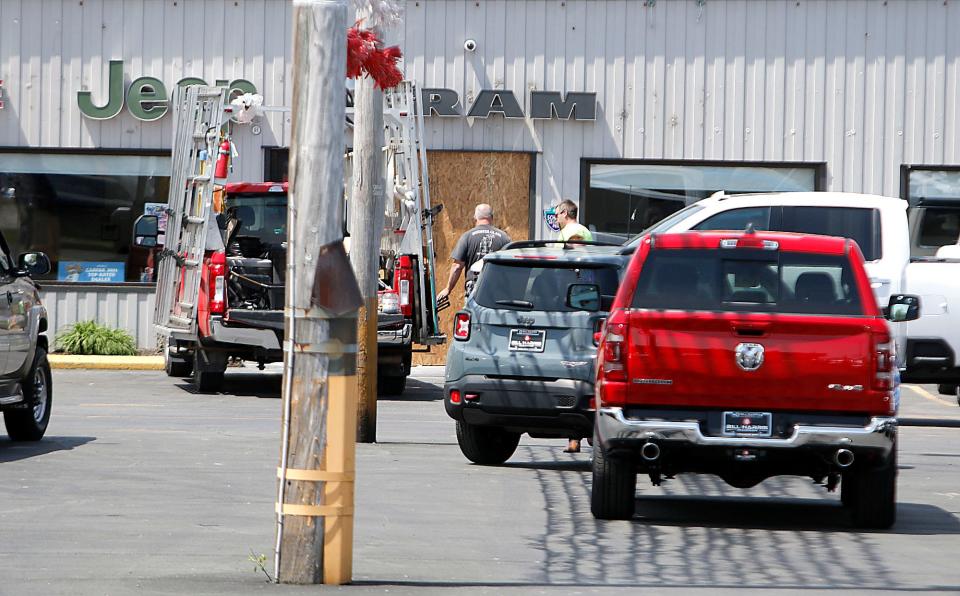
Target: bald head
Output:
[{"x": 483, "y": 212}]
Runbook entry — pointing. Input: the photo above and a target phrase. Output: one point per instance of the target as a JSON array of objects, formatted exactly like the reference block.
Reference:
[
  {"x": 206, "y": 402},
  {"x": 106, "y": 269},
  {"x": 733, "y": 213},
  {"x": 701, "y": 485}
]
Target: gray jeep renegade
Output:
[{"x": 523, "y": 355}]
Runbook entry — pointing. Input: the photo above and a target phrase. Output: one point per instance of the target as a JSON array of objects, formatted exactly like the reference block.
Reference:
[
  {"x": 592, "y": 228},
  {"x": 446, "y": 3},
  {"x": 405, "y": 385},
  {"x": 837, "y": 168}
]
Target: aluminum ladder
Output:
[{"x": 198, "y": 116}]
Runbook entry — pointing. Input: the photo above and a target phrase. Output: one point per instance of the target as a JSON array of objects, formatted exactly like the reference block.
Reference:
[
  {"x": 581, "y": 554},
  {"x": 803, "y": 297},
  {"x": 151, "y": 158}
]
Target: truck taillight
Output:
[
  {"x": 883, "y": 363},
  {"x": 613, "y": 348},
  {"x": 403, "y": 284},
  {"x": 461, "y": 326},
  {"x": 216, "y": 283}
]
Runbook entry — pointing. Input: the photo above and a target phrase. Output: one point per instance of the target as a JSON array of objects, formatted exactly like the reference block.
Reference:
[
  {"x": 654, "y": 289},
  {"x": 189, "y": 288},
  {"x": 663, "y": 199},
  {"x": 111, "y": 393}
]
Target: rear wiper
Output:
[{"x": 517, "y": 303}]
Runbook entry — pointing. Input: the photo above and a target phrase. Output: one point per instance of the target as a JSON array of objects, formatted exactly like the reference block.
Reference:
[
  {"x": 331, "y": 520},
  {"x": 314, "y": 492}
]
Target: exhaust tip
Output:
[
  {"x": 843, "y": 458},
  {"x": 650, "y": 451}
]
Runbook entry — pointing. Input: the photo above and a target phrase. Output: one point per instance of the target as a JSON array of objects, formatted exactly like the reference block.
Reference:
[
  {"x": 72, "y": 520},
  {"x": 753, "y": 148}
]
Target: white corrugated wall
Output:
[
  {"x": 128, "y": 307},
  {"x": 50, "y": 49},
  {"x": 865, "y": 85}
]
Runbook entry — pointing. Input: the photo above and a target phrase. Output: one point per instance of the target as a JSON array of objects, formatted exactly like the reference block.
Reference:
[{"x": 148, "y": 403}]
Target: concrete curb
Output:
[{"x": 106, "y": 362}]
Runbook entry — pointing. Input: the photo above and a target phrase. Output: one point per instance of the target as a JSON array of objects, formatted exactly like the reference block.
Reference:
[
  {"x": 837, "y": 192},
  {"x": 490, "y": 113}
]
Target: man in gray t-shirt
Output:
[{"x": 473, "y": 245}]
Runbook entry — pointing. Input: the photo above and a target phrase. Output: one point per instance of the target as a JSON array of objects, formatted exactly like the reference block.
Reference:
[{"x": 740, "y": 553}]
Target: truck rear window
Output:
[
  {"x": 742, "y": 280},
  {"x": 523, "y": 287}
]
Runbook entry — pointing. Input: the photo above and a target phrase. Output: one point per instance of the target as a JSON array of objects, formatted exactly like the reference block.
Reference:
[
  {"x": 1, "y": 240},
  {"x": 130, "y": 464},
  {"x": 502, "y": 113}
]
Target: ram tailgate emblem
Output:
[{"x": 749, "y": 357}]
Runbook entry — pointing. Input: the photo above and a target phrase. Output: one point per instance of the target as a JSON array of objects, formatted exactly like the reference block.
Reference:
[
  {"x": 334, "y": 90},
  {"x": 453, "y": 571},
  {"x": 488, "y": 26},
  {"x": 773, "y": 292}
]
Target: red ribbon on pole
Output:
[{"x": 366, "y": 55}]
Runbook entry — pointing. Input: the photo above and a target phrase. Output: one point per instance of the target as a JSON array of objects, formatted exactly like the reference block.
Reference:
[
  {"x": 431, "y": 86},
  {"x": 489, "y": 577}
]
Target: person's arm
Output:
[{"x": 455, "y": 272}]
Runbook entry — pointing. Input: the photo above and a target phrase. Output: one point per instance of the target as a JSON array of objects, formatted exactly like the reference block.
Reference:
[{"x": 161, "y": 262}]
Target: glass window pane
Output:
[
  {"x": 862, "y": 225},
  {"x": 748, "y": 281},
  {"x": 933, "y": 185},
  {"x": 79, "y": 209},
  {"x": 939, "y": 227},
  {"x": 738, "y": 219},
  {"x": 627, "y": 198},
  {"x": 518, "y": 287}
]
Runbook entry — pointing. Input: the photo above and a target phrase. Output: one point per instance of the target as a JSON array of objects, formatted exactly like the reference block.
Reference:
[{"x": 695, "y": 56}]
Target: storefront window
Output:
[
  {"x": 934, "y": 197},
  {"x": 79, "y": 209},
  {"x": 627, "y": 197}
]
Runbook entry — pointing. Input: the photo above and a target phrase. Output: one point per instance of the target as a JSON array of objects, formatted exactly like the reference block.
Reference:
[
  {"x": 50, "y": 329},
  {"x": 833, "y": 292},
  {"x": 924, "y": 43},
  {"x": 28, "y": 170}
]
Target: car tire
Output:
[
  {"x": 947, "y": 388},
  {"x": 177, "y": 367},
  {"x": 486, "y": 445},
  {"x": 391, "y": 385},
  {"x": 206, "y": 381},
  {"x": 614, "y": 491},
  {"x": 30, "y": 424},
  {"x": 875, "y": 505}
]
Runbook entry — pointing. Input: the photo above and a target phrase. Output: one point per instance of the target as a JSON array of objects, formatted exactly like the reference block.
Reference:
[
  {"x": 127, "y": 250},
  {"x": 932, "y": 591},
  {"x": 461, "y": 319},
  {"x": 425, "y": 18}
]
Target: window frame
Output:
[
  {"x": 819, "y": 169},
  {"x": 90, "y": 152},
  {"x": 907, "y": 169}
]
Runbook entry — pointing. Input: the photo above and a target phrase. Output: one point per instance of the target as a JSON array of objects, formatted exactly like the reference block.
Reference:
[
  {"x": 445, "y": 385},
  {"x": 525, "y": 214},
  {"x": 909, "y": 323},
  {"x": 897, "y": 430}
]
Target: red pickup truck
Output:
[{"x": 747, "y": 355}]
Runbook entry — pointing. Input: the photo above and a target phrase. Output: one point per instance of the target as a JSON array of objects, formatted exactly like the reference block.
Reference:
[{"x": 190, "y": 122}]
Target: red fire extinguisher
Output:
[{"x": 223, "y": 160}]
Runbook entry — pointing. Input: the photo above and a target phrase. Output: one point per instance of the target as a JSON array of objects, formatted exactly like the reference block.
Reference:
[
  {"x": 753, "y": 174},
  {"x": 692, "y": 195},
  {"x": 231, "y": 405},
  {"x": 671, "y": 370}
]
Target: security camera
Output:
[{"x": 470, "y": 45}]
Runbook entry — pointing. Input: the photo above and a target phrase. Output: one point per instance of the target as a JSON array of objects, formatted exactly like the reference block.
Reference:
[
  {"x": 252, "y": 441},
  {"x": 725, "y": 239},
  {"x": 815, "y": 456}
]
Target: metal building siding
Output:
[
  {"x": 50, "y": 49},
  {"x": 864, "y": 85},
  {"x": 128, "y": 307}
]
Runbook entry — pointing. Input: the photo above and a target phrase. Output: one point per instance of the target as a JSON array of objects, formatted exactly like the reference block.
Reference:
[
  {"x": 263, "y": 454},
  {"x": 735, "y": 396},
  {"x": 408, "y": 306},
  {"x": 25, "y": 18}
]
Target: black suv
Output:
[{"x": 26, "y": 389}]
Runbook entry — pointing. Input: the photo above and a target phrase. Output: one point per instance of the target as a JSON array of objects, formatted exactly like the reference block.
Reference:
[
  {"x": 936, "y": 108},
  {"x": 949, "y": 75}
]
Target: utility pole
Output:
[
  {"x": 366, "y": 226},
  {"x": 316, "y": 472}
]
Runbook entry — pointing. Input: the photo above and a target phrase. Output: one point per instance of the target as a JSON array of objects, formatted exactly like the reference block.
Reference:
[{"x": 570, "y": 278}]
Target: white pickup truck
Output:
[{"x": 928, "y": 348}]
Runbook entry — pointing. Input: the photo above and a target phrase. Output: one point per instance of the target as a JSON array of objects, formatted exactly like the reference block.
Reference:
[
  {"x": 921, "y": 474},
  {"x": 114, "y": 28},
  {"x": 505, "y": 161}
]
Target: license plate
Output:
[
  {"x": 526, "y": 340},
  {"x": 746, "y": 424}
]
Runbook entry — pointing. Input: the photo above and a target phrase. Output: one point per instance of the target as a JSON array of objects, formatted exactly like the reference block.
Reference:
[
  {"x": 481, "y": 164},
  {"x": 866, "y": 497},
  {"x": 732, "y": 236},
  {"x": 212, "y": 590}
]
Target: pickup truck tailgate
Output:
[{"x": 809, "y": 363}]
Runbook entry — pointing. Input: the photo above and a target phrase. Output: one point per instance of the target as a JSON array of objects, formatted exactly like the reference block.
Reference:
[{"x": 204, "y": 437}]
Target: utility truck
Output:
[{"x": 223, "y": 251}]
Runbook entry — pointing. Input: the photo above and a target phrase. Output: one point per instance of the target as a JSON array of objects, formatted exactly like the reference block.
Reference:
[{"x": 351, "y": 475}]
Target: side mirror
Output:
[
  {"x": 903, "y": 307},
  {"x": 146, "y": 229},
  {"x": 34, "y": 263},
  {"x": 584, "y": 297}
]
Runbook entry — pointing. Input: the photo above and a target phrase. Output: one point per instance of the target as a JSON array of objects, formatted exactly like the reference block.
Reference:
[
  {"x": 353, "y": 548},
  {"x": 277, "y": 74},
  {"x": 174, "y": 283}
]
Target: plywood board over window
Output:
[{"x": 460, "y": 180}]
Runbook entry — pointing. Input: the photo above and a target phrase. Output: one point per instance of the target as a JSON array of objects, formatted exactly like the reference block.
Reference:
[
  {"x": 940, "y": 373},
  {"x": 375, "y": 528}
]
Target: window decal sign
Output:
[
  {"x": 550, "y": 216},
  {"x": 91, "y": 271}
]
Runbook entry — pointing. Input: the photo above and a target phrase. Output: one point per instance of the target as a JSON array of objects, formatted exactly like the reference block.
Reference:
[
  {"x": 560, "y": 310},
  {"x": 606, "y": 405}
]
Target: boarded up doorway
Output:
[{"x": 460, "y": 180}]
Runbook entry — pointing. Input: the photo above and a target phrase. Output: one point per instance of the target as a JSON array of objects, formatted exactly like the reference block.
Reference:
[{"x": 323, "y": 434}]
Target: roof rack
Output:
[{"x": 567, "y": 244}]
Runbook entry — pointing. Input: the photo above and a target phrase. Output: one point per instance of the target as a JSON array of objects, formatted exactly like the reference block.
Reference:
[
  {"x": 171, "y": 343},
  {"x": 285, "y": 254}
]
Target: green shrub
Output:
[{"x": 89, "y": 337}]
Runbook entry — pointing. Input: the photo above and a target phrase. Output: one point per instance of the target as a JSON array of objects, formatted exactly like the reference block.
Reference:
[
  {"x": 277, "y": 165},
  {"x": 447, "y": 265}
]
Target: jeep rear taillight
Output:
[
  {"x": 216, "y": 283},
  {"x": 461, "y": 326},
  {"x": 883, "y": 362},
  {"x": 598, "y": 331}
]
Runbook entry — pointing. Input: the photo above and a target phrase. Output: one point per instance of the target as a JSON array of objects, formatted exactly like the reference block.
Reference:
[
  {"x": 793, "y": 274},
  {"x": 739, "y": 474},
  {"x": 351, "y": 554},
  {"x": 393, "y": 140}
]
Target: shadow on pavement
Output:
[
  {"x": 253, "y": 383},
  {"x": 697, "y": 531},
  {"x": 242, "y": 384},
  {"x": 416, "y": 391},
  {"x": 765, "y": 513},
  {"x": 14, "y": 450}
]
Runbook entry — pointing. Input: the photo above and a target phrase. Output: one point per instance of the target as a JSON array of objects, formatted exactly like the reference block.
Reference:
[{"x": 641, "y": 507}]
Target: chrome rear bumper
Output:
[{"x": 613, "y": 427}]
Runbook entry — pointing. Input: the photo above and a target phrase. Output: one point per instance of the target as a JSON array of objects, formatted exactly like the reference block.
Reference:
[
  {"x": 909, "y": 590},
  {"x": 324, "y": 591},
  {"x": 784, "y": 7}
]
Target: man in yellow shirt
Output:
[{"x": 570, "y": 229}]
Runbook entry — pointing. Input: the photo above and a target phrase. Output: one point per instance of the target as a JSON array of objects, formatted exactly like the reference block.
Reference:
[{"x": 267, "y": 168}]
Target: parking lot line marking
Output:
[{"x": 927, "y": 395}]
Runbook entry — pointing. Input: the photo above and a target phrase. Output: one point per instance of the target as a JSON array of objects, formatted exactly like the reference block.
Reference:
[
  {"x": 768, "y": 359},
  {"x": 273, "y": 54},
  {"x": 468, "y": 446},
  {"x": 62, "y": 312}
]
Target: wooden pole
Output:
[
  {"x": 366, "y": 226},
  {"x": 316, "y": 472}
]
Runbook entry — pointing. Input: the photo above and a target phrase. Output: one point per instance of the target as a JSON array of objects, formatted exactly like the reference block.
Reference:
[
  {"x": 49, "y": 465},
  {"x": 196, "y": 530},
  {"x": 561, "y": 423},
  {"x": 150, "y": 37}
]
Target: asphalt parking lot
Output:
[{"x": 142, "y": 486}]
